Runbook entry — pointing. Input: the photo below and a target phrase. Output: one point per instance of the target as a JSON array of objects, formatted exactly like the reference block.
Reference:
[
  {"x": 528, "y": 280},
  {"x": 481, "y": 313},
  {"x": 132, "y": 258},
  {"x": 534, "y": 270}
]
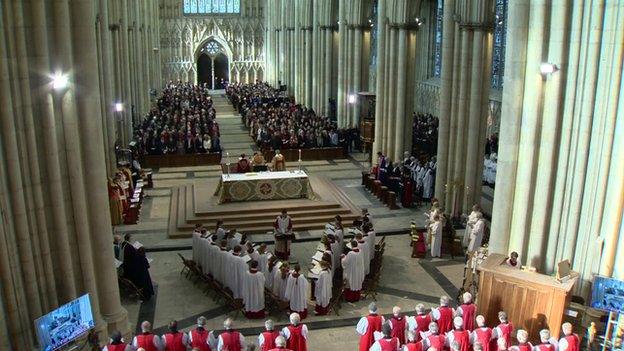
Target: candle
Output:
[{"x": 299, "y": 154}]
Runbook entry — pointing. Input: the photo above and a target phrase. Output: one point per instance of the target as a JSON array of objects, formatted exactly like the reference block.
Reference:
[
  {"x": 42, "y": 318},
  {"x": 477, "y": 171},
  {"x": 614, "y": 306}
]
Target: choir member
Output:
[
  {"x": 129, "y": 257},
  {"x": 235, "y": 268},
  {"x": 503, "y": 330},
  {"x": 364, "y": 251},
  {"x": 336, "y": 249},
  {"x": 297, "y": 289},
  {"x": 436, "y": 236},
  {"x": 467, "y": 311},
  {"x": 353, "y": 272},
  {"x": 263, "y": 264},
  {"x": 512, "y": 260},
  {"x": 230, "y": 339},
  {"x": 476, "y": 234},
  {"x": 175, "y": 340},
  {"x": 258, "y": 162},
  {"x": 387, "y": 342},
  {"x": 412, "y": 342},
  {"x": 219, "y": 230},
  {"x": 443, "y": 315},
  {"x": 547, "y": 343},
  {"x": 200, "y": 338},
  {"x": 243, "y": 165},
  {"x": 501, "y": 345},
  {"x": 398, "y": 323},
  {"x": 459, "y": 335},
  {"x": 420, "y": 322},
  {"x": 523, "y": 341},
  {"x": 367, "y": 326},
  {"x": 146, "y": 339},
  {"x": 280, "y": 344},
  {"x": 296, "y": 334},
  {"x": 434, "y": 339},
  {"x": 569, "y": 341},
  {"x": 283, "y": 227},
  {"x": 267, "y": 339},
  {"x": 369, "y": 234},
  {"x": 142, "y": 278},
  {"x": 323, "y": 290},
  {"x": 279, "y": 281},
  {"x": 472, "y": 219},
  {"x": 338, "y": 229},
  {"x": 482, "y": 334},
  {"x": 455, "y": 346},
  {"x": 253, "y": 292},
  {"x": 116, "y": 343}
]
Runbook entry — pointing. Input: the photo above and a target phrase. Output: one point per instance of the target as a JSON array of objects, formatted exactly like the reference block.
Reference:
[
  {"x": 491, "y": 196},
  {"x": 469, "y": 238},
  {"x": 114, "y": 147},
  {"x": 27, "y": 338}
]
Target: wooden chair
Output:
[
  {"x": 383, "y": 194},
  {"x": 187, "y": 264},
  {"x": 129, "y": 289}
]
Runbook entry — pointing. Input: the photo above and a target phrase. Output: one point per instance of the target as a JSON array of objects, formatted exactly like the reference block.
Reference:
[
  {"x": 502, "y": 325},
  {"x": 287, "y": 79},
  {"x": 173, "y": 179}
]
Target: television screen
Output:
[
  {"x": 65, "y": 324},
  {"x": 608, "y": 294}
]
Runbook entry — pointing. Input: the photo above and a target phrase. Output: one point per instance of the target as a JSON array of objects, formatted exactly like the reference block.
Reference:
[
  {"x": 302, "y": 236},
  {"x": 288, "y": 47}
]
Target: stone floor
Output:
[{"x": 405, "y": 281}]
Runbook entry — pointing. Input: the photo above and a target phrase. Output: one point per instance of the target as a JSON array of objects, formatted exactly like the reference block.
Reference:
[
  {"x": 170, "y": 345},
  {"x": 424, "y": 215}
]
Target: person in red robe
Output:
[
  {"x": 420, "y": 322},
  {"x": 547, "y": 343},
  {"x": 398, "y": 323},
  {"x": 117, "y": 343},
  {"x": 175, "y": 340},
  {"x": 387, "y": 342},
  {"x": 434, "y": 339},
  {"x": 296, "y": 334},
  {"x": 412, "y": 343},
  {"x": 503, "y": 330},
  {"x": 482, "y": 334},
  {"x": 367, "y": 326},
  {"x": 443, "y": 315},
  {"x": 200, "y": 338},
  {"x": 243, "y": 165},
  {"x": 569, "y": 341},
  {"x": 230, "y": 339},
  {"x": 523, "y": 341},
  {"x": 407, "y": 198},
  {"x": 280, "y": 344},
  {"x": 459, "y": 335},
  {"x": 267, "y": 339},
  {"x": 467, "y": 311},
  {"x": 147, "y": 340}
]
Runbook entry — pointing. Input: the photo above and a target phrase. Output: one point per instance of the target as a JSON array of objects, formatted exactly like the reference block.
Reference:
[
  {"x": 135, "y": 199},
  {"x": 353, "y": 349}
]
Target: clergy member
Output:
[
  {"x": 175, "y": 340},
  {"x": 200, "y": 338},
  {"x": 370, "y": 235},
  {"x": 258, "y": 162},
  {"x": 323, "y": 290},
  {"x": 364, "y": 251},
  {"x": 436, "y": 236},
  {"x": 459, "y": 335},
  {"x": 412, "y": 343},
  {"x": 512, "y": 260},
  {"x": 278, "y": 163},
  {"x": 219, "y": 230},
  {"x": 267, "y": 339},
  {"x": 296, "y": 334},
  {"x": 443, "y": 315},
  {"x": 146, "y": 339},
  {"x": 434, "y": 339},
  {"x": 472, "y": 219},
  {"x": 482, "y": 334},
  {"x": 253, "y": 292},
  {"x": 467, "y": 311},
  {"x": 297, "y": 288},
  {"x": 420, "y": 322},
  {"x": 367, "y": 326},
  {"x": 476, "y": 234},
  {"x": 569, "y": 341},
  {"x": 353, "y": 272},
  {"x": 523, "y": 341},
  {"x": 503, "y": 330},
  {"x": 398, "y": 323},
  {"x": 279, "y": 281},
  {"x": 235, "y": 269},
  {"x": 280, "y": 344},
  {"x": 116, "y": 343},
  {"x": 283, "y": 228},
  {"x": 547, "y": 343},
  {"x": 230, "y": 339},
  {"x": 243, "y": 165},
  {"x": 387, "y": 342}
]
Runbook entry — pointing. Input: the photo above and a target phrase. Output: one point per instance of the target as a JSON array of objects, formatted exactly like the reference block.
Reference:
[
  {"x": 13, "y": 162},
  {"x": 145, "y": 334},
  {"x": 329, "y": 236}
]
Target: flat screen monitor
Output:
[
  {"x": 65, "y": 324},
  {"x": 608, "y": 294}
]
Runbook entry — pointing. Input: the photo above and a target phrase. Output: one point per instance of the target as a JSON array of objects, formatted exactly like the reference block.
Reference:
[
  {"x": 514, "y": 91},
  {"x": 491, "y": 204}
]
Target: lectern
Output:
[{"x": 533, "y": 301}]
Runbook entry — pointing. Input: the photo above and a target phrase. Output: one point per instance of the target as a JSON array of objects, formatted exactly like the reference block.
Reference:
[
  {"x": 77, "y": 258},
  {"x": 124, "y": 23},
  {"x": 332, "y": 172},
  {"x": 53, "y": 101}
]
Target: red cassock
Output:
[
  {"x": 505, "y": 329},
  {"x": 243, "y": 166},
  {"x": 118, "y": 347},
  {"x": 445, "y": 323},
  {"x": 398, "y": 329},
  {"x": 368, "y": 339},
  {"x": 388, "y": 344},
  {"x": 146, "y": 341},
  {"x": 463, "y": 338},
  {"x": 524, "y": 347},
  {"x": 468, "y": 315},
  {"x": 200, "y": 338},
  {"x": 573, "y": 342},
  {"x": 437, "y": 341},
  {"x": 422, "y": 324},
  {"x": 546, "y": 347},
  {"x": 408, "y": 193},
  {"x": 414, "y": 346},
  {"x": 484, "y": 337},
  {"x": 269, "y": 340},
  {"x": 231, "y": 340},
  {"x": 296, "y": 341},
  {"x": 174, "y": 342}
]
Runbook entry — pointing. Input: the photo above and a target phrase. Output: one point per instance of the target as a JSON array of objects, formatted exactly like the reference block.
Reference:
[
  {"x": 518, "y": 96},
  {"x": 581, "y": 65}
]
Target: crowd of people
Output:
[
  {"x": 276, "y": 122},
  {"x": 424, "y": 134},
  {"x": 183, "y": 121},
  {"x": 441, "y": 328},
  {"x": 412, "y": 179}
]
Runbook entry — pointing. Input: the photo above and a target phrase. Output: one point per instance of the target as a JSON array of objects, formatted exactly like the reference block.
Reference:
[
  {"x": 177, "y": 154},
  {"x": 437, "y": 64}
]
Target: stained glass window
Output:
[
  {"x": 201, "y": 7},
  {"x": 211, "y": 48},
  {"x": 437, "y": 54},
  {"x": 498, "y": 49}
]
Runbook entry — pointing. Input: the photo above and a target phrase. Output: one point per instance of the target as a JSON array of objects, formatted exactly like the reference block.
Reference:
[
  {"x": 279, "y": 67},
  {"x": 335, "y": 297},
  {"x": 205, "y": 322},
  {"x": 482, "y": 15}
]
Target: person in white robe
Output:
[
  {"x": 253, "y": 292},
  {"x": 280, "y": 279},
  {"x": 472, "y": 219},
  {"x": 476, "y": 234},
  {"x": 263, "y": 261},
  {"x": 297, "y": 288},
  {"x": 323, "y": 290},
  {"x": 336, "y": 249},
  {"x": 370, "y": 236},
  {"x": 364, "y": 251},
  {"x": 204, "y": 254},
  {"x": 235, "y": 271},
  {"x": 220, "y": 261},
  {"x": 196, "y": 236},
  {"x": 436, "y": 236},
  {"x": 353, "y": 272},
  {"x": 282, "y": 226},
  {"x": 220, "y": 231},
  {"x": 428, "y": 180}
]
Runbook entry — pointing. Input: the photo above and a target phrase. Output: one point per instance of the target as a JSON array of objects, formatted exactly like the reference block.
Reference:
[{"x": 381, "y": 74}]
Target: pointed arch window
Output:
[{"x": 207, "y": 7}]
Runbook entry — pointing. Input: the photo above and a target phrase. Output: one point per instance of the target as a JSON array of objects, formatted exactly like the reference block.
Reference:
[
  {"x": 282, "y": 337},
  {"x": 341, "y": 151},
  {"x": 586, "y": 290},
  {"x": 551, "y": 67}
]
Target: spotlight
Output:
[
  {"x": 548, "y": 68},
  {"x": 119, "y": 107},
  {"x": 419, "y": 21},
  {"x": 351, "y": 99},
  {"x": 60, "y": 81}
]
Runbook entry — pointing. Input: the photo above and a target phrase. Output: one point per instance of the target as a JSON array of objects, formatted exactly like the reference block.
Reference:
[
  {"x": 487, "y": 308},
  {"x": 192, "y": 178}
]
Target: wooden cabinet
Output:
[{"x": 533, "y": 301}]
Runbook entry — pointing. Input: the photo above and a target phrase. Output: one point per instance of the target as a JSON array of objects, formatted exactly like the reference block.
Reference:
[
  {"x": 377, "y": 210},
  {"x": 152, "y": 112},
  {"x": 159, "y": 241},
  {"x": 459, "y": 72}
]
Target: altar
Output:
[{"x": 236, "y": 187}]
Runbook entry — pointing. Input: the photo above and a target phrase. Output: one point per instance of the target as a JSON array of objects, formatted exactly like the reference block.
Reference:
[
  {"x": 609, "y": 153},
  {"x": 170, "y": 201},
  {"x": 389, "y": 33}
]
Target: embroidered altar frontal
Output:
[{"x": 263, "y": 186}]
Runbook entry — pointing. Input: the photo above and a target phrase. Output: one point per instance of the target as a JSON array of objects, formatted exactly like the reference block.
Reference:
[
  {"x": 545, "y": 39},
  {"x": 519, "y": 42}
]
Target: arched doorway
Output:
[{"x": 212, "y": 65}]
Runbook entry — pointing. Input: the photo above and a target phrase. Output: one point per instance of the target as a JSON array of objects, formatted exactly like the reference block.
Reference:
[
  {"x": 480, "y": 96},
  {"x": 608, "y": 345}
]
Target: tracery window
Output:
[
  {"x": 212, "y": 48},
  {"x": 437, "y": 40},
  {"x": 498, "y": 50},
  {"x": 200, "y": 7}
]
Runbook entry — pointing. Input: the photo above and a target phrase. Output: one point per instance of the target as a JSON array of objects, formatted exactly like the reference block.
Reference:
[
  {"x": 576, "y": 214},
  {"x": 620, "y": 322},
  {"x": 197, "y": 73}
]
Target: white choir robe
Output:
[
  {"x": 217, "y": 257},
  {"x": 472, "y": 219},
  {"x": 221, "y": 234},
  {"x": 237, "y": 270},
  {"x": 279, "y": 284},
  {"x": 233, "y": 242},
  {"x": 371, "y": 237},
  {"x": 196, "y": 248},
  {"x": 202, "y": 255},
  {"x": 436, "y": 239},
  {"x": 365, "y": 252},
  {"x": 323, "y": 288},
  {"x": 353, "y": 270},
  {"x": 253, "y": 291},
  {"x": 476, "y": 236},
  {"x": 428, "y": 185},
  {"x": 284, "y": 225},
  {"x": 263, "y": 266},
  {"x": 297, "y": 289}
]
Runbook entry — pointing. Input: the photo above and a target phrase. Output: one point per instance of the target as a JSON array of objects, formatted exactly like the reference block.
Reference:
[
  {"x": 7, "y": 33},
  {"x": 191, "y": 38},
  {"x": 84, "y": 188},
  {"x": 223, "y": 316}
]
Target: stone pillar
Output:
[{"x": 380, "y": 80}]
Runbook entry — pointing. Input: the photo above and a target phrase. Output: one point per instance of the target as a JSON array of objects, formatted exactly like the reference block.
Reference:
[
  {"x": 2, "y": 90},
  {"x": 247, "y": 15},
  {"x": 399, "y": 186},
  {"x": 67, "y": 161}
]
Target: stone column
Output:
[
  {"x": 380, "y": 79},
  {"x": 399, "y": 130}
]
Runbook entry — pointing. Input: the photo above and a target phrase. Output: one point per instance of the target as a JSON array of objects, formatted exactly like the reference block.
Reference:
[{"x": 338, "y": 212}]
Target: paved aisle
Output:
[{"x": 234, "y": 136}]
